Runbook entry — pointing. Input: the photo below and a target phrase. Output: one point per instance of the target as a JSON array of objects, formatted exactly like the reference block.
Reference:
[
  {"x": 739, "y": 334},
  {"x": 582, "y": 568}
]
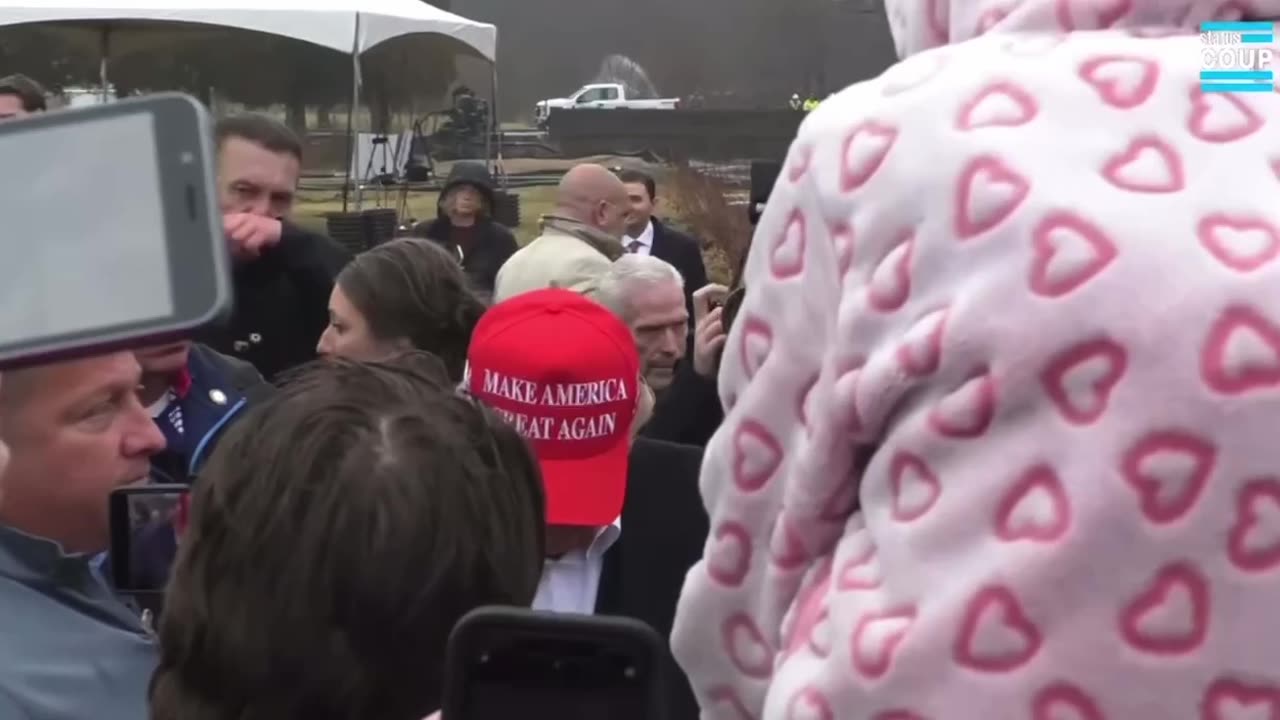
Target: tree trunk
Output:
[
  {"x": 205, "y": 93},
  {"x": 295, "y": 115},
  {"x": 378, "y": 99},
  {"x": 380, "y": 114},
  {"x": 324, "y": 117}
]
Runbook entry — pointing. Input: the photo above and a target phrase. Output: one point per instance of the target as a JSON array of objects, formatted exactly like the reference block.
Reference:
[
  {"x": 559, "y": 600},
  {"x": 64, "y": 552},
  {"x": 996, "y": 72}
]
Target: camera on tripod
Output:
[{"x": 381, "y": 151}]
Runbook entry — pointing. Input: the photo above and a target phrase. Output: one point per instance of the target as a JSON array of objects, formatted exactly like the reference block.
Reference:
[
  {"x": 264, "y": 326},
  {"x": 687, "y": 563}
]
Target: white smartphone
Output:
[{"x": 110, "y": 234}]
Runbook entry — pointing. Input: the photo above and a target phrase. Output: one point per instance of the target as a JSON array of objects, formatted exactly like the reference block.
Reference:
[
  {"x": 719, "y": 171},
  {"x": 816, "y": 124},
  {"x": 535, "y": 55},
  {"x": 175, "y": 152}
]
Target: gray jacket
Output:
[{"x": 71, "y": 649}]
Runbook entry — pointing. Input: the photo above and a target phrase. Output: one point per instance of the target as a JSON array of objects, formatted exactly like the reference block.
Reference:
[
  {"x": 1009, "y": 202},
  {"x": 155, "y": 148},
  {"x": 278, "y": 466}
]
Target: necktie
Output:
[{"x": 634, "y": 246}]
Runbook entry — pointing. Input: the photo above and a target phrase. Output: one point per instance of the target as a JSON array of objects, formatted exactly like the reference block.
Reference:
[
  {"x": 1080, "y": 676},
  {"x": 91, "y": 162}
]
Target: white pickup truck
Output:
[{"x": 601, "y": 95}]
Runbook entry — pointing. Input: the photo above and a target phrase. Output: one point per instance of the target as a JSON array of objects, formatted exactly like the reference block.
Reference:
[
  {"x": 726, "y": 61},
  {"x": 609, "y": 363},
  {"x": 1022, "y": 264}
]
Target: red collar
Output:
[
  {"x": 181, "y": 383},
  {"x": 183, "y": 517}
]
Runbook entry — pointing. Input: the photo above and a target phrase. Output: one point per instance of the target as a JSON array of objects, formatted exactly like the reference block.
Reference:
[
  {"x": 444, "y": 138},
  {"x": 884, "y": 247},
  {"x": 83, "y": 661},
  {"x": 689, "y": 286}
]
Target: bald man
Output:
[{"x": 580, "y": 238}]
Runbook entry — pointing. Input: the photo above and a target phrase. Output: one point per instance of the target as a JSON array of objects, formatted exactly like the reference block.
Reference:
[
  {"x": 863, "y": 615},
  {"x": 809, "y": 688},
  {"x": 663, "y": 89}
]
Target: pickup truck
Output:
[{"x": 601, "y": 95}]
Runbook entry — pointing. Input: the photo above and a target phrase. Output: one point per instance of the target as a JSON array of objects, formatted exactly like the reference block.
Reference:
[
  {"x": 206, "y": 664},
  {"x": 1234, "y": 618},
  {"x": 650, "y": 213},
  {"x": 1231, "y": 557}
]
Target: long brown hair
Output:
[{"x": 413, "y": 289}]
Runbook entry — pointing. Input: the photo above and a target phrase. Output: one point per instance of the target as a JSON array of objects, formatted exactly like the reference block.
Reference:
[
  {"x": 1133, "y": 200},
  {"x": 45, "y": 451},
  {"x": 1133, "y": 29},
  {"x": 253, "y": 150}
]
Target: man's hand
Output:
[
  {"x": 249, "y": 234},
  {"x": 708, "y": 332}
]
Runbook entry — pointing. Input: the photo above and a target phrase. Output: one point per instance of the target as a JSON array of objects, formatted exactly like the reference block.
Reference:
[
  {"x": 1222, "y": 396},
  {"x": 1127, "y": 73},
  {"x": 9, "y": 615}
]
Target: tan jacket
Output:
[{"x": 569, "y": 254}]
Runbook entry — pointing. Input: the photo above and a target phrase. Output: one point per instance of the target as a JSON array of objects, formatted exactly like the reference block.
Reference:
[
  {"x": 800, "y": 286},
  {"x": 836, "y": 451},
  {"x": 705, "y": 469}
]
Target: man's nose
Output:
[
  {"x": 673, "y": 341},
  {"x": 141, "y": 436},
  {"x": 260, "y": 205}
]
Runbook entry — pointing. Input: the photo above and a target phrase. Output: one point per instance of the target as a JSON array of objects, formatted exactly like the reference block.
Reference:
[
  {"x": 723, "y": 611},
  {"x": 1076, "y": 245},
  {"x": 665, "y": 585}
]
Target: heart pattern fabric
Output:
[{"x": 1006, "y": 387}]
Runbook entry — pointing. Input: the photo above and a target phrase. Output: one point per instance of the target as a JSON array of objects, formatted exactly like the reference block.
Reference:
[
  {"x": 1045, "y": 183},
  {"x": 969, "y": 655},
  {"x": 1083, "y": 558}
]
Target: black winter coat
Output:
[
  {"x": 491, "y": 245},
  {"x": 281, "y": 302}
]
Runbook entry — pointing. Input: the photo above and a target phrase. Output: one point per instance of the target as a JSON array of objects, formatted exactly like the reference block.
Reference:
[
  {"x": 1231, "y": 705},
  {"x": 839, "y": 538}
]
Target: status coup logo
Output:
[{"x": 1236, "y": 57}]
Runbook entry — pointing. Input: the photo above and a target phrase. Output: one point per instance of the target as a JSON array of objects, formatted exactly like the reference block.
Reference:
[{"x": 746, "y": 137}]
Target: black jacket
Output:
[
  {"x": 281, "y": 302},
  {"x": 221, "y": 389},
  {"x": 685, "y": 254},
  {"x": 689, "y": 412},
  {"x": 664, "y": 529},
  {"x": 491, "y": 243}
]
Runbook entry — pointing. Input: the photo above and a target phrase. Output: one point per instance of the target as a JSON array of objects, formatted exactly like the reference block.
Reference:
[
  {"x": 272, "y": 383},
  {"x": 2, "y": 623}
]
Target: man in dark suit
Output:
[
  {"x": 624, "y": 523},
  {"x": 666, "y": 529},
  {"x": 647, "y": 235}
]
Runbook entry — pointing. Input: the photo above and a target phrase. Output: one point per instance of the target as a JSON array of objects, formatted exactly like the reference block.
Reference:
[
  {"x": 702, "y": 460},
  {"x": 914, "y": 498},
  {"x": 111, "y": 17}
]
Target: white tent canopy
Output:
[
  {"x": 342, "y": 25},
  {"x": 346, "y": 26}
]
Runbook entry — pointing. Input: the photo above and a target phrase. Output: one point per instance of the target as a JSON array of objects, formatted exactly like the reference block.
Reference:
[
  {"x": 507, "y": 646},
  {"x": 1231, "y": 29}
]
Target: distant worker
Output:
[
  {"x": 796, "y": 102},
  {"x": 20, "y": 96},
  {"x": 580, "y": 238},
  {"x": 811, "y": 104}
]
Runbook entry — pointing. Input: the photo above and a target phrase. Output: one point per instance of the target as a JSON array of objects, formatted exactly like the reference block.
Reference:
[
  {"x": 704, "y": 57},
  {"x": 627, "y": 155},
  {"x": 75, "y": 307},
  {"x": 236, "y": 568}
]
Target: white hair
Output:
[{"x": 628, "y": 271}]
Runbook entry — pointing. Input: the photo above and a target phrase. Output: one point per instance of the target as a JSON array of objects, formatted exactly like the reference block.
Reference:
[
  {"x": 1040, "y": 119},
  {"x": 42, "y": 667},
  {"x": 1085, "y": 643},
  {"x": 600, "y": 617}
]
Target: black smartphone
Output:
[
  {"x": 511, "y": 662},
  {"x": 732, "y": 304},
  {"x": 764, "y": 175},
  {"x": 113, "y": 234},
  {"x": 147, "y": 522}
]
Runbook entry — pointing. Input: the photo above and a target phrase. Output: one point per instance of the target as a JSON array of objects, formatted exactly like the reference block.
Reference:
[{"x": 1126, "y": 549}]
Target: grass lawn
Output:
[{"x": 312, "y": 207}]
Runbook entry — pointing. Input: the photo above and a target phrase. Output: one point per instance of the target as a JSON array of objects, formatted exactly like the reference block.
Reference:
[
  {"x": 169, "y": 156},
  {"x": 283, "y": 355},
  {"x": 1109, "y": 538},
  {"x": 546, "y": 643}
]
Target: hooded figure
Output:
[
  {"x": 465, "y": 225},
  {"x": 1004, "y": 391}
]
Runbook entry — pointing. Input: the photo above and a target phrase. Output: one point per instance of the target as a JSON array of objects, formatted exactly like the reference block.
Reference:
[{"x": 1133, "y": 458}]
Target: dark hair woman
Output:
[
  {"x": 466, "y": 228},
  {"x": 405, "y": 294}
]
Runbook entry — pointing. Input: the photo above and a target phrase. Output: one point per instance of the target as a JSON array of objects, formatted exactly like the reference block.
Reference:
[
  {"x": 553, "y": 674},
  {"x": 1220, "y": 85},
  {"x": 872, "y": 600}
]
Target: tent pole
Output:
[
  {"x": 351, "y": 114},
  {"x": 355, "y": 170},
  {"x": 495, "y": 126}
]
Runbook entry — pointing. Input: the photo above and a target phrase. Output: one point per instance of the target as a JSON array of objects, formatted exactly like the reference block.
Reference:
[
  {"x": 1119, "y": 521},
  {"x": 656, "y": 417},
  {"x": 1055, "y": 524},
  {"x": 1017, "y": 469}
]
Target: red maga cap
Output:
[{"x": 565, "y": 372}]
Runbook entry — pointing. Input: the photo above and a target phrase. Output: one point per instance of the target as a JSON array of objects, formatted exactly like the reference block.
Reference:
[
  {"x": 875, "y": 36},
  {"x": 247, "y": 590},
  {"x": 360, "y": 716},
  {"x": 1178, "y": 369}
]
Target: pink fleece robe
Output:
[{"x": 1004, "y": 427}]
